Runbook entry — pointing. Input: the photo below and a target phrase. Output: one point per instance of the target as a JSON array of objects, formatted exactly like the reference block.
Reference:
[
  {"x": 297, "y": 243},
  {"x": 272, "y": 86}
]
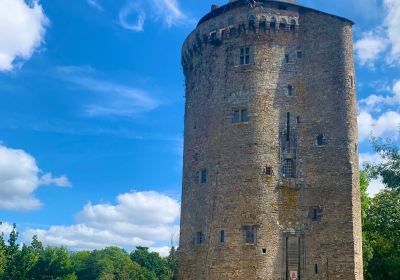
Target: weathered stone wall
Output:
[{"x": 237, "y": 192}]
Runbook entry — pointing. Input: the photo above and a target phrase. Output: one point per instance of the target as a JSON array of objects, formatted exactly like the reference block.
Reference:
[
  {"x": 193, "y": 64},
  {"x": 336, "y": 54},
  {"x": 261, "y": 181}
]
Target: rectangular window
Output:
[
  {"x": 321, "y": 140},
  {"x": 250, "y": 234},
  {"x": 316, "y": 214},
  {"x": 299, "y": 54},
  {"x": 290, "y": 90},
  {"x": 288, "y": 168},
  {"x": 222, "y": 236},
  {"x": 245, "y": 56},
  {"x": 286, "y": 58},
  {"x": 199, "y": 238},
  {"x": 203, "y": 174},
  {"x": 240, "y": 115}
]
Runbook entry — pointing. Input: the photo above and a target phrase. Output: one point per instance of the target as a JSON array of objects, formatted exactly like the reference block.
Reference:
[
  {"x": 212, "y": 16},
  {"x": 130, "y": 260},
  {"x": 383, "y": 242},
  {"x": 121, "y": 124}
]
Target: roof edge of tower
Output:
[{"x": 237, "y": 4}]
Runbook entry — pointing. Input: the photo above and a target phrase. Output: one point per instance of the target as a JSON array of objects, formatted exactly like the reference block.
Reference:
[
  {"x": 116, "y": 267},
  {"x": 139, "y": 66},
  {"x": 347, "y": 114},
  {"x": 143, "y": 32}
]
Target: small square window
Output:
[
  {"x": 203, "y": 174},
  {"x": 264, "y": 250},
  {"x": 299, "y": 54},
  {"x": 250, "y": 234},
  {"x": 268, "y": 171}
]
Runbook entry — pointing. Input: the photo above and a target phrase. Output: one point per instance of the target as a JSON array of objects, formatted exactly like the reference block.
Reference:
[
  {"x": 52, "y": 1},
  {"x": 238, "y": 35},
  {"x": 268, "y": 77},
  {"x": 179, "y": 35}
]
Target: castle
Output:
[{"x": 270, "y": 176}]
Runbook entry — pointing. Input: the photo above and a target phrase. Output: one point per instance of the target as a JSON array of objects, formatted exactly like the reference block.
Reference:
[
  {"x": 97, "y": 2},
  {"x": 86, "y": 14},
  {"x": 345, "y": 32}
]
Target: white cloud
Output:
[
  {"x": 392, "y": 22},
  {"x": 373, "y": 101},
  {"x": 133, "y": 15},
  {"x": 385, "y": 125},
  {"x": 369, "y": 48},
  {"x": 112, "y": 99},
  {"x": 22, "y": 30},
  {"x": 375, "y": 186},
  {"x": 5, "y": 228},
  {"x": 48, "y": 179},
  {"x": 95, "y": 4},
  {"x": 366, "y": 158},
  {"x": 19, "y": 178},
  {"x": 137, "y": 219}
]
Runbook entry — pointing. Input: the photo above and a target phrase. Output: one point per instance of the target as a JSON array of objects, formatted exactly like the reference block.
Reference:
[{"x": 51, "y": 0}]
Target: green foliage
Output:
[
  {"x": 389, "y": 169},
  {"x": 2, "y": 254},
  {"x": 109, "y": 263},
  {"x": 382, "y": 231},
  {"x": 172, "y": 261},
  {"x": 11, "y": 269},
  {"x": 152, "y": 262}
]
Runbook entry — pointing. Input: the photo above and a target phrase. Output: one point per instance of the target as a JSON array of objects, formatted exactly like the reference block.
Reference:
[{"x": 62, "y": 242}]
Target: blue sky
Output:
[{"x": 91, "y": 109}]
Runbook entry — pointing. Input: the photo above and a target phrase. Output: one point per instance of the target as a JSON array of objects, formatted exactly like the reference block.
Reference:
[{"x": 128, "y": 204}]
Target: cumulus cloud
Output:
[
  {"x": 369, "y": 48},
  {"x": 112, "y": 99},
  {"x": 5, "y": 228},
  {"x": 374, "y": 101},
  {"x": 19, "y": 178},
  {"x": 384, "y": 125},
  {"x": 137, "y": 219},
  {"x": 385, "y": 38},
  {"x": 22, "y": 30},
  {"x": 392, "y": 22},
  {"x": 133, "y": 15}
]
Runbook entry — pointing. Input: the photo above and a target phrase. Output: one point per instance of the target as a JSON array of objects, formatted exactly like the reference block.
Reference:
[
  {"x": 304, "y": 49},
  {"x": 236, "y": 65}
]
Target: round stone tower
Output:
[{"x": 270, "y": 176}]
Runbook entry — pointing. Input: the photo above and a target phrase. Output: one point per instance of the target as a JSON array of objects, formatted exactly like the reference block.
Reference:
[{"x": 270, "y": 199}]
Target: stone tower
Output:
[{"x": 270, "y": 176}]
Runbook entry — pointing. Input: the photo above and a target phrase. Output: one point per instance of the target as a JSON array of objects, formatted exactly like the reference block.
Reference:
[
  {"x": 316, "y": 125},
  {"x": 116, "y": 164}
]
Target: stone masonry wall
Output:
[{"x": 238, "y": 193}]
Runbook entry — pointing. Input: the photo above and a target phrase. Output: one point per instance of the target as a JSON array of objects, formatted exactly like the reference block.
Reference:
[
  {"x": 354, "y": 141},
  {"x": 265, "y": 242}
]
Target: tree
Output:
[
  {"x": 172, "y": 261},
  {"x": 365, "y": 202},
  {"x": 11, "y": 270},
  {"x": 152, "y": 261},
  {"x": 109, "y": 264},
  {"x": 389, "y": 169},
  {"x": 54, "y": 263},
  {"x": 382, "y": 231},
  {"x": 2, "y": 254}
]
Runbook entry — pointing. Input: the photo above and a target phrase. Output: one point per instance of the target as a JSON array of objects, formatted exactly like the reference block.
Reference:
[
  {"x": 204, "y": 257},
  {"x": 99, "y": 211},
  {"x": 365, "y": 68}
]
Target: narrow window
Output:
[
  {"x": 292, "y": 26},
  {"x": 351, "y": 81},
  {"x": 299, "y": 54},
  {"x": 252, "y": 24},
  {"x": 288, "y": 168},
  {"x": 213, "y": 36},
  {"x": 290, "y": 90},
  {"x": 263, "y": 25},
  {"x": 316, "y": 268},
  {"x": 223, "y": 33},
  {"x": 199, "y": 238},
  {"x": 282, "y": 24},
  {"x": 222, "y": 236},
  {"x": 236, "y": 116},
  {"x": 203, "y": 178},
  {"x": 264, "y": 250},
  {"x": 321, "y": 141},
  {"x": 250, "y": 234},
  {"x": 245, "y": 56},
  {"x": 286, "y": 58},
  {"x": 243, "y": 115},
  {"x": 272, "y": 24},
  {"x": 298, "y": 119}
]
